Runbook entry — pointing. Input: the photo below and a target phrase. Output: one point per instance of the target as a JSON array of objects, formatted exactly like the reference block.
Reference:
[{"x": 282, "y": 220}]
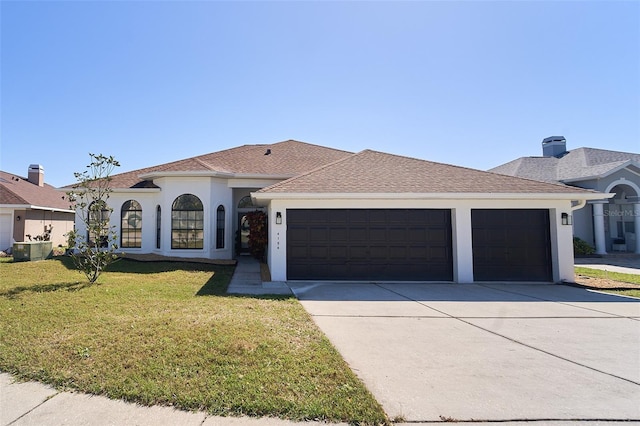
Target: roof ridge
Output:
[
  {"x": 474, "y": 170},
  {"x": 382, "y": 160},
  {"x": 312, "y": 144},
  {"x": 276, "y": 185}
]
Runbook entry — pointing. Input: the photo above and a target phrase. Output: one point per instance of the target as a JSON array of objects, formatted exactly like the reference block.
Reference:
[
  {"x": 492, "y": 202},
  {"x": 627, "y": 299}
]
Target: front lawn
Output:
[
  {"x": 610, "y": 282},
  {"x": 165, "y": 333}
]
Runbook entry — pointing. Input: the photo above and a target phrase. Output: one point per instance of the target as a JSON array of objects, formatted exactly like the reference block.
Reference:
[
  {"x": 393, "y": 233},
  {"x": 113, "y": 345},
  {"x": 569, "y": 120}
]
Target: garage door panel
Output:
[
  {"x": 378, "y": 253},
  {"x": 437, "y": 235},
  {"x": 358, "y": 253},
  {"x": 382, "y": 244},
  {"x": 378, "y": 234},
  {"x": 316, "y": 252},
  {"x": 440, "y": 254},
  {"x": 417, "y": 235},
  {"x": 297, "y": 251},
  {"x": 357, "y": 234},
  {"x": 398, "y": 253},
  {"x": 511, "y": 245},
  {"x": 318, "y": 234},
  {"x": 339, "y": 234},
  {"x": 397, "y": 235}
]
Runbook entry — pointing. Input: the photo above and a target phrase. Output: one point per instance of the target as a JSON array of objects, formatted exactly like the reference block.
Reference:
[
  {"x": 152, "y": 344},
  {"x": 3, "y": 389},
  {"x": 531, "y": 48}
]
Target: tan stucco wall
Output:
[{"x": 34, "y": 221}]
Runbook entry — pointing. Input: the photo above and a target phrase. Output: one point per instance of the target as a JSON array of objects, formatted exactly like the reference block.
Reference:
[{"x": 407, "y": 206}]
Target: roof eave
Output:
[
  {"x": 33, "y": 207},
  {"x": 136, "y": 190},
  {"x": 207, "y": 173},
  {"x": 266, "y": 196},
  {"x": 116, "y": 189},
  {"x": 263, "y": 176}
]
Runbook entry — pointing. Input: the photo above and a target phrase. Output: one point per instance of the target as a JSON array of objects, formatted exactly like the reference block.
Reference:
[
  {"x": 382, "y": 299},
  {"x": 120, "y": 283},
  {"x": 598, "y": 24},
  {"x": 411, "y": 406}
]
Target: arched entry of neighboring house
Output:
[
  {"x": 621, "y": 223},
  {"x": 245, "y": 205}
]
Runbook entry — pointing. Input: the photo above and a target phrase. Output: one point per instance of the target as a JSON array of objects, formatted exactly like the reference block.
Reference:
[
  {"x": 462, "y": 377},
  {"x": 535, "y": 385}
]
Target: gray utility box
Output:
[{"x": 32, "y": 250}]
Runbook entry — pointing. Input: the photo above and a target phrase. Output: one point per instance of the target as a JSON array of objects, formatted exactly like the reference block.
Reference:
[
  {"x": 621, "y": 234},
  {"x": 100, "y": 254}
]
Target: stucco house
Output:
[
  {"x": 609, "y": 224},
  {"x": 337, "y": 215},
  {"x": 29, "y": 206}
]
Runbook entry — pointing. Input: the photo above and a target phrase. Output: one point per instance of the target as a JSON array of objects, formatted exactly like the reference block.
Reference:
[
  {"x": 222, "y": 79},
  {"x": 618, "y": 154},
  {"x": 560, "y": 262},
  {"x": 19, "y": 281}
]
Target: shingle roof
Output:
[
  {"x": 287, "y": 158},
  {"x": 580, "y": 163},
  {"x": 377, "y": 172},
  {"x": 17, "y": 190}
]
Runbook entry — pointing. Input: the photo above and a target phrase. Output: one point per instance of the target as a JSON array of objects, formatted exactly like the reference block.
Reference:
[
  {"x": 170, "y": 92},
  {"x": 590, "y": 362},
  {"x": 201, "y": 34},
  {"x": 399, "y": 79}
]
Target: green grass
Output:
[
  {"x": 613, "y": 276},
  {"x": 165, "y": 333}
]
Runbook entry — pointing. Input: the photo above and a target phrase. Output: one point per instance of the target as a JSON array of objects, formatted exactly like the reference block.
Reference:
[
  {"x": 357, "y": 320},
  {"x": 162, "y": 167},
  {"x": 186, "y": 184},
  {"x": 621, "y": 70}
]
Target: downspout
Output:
[{"x": 581, "y": 204}]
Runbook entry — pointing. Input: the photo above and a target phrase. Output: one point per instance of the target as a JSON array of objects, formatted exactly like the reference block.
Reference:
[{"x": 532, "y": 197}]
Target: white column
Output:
[
  {"x": 636, "y": 219},
  {"x": 598, "y": 227},
  {"x": 462, "y": 245}
]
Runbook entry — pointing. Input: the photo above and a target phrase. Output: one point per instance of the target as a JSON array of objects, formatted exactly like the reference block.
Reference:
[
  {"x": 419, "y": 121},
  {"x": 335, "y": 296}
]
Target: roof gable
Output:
[{"x": 376, "y": 172}]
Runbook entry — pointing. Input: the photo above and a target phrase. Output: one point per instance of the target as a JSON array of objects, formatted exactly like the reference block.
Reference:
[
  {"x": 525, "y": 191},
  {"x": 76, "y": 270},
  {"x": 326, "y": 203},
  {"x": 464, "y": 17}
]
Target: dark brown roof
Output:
[
  {"x": 377, "y": 172},
  {"x": 17, "y": 190},
  {"x": 288, "y": 158}
]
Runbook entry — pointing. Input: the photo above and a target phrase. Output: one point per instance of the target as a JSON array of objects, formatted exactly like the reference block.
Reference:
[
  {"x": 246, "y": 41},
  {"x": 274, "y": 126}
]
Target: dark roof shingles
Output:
[
  {"x": 376, "y": 172},
  {"x": 288, "y": 158},
  {"x": 16, "y": 190}
]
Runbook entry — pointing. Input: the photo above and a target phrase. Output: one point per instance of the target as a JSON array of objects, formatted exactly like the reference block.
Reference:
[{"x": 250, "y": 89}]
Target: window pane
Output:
[
  {"x": 220, "y": 222},
  {"x": 131, "y": 225},
  {"x": 187, "y": 222}
]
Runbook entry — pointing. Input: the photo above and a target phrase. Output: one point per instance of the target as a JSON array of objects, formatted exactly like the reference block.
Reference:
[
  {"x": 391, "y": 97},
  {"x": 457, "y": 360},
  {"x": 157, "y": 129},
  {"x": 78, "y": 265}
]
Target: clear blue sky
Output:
[{"x": 469, "y": 83}]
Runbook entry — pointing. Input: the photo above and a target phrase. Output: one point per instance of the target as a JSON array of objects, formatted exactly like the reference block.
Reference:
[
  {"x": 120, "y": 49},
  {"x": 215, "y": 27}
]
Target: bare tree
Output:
[{"x": 96, "y": 249}]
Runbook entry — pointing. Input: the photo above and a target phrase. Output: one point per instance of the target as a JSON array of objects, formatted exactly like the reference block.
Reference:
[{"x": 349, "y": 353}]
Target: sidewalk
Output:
[
  {"x": 33, "y": 403},
  {"x": 626, "y": 264}
]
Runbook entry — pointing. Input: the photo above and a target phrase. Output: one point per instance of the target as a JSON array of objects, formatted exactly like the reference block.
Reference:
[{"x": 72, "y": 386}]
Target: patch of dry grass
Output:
[{"x": 165, "y": 333}]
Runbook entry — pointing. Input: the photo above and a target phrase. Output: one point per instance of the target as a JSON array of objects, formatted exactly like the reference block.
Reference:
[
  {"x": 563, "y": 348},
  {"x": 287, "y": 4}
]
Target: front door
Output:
[{"x": 243, "y": 233}]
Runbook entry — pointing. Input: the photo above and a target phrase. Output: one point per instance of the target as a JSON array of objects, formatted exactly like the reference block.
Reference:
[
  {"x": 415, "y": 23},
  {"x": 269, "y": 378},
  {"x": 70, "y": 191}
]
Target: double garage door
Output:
[{"x": 414, "y": 245}]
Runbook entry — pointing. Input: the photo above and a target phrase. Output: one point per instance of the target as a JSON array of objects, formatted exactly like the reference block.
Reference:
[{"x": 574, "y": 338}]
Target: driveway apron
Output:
[{"x": 495, "y": 352}]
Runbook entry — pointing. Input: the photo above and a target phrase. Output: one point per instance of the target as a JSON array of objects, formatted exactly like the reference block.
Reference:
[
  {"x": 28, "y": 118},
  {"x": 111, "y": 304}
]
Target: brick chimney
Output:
[
  {"x": 554, "y": 146},
  {"x": 36, "y": 174}
]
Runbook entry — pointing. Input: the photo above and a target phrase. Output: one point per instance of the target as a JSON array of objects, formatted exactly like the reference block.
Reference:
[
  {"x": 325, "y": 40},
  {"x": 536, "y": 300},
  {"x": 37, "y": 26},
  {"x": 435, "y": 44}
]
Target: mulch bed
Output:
[{"x": 602, "y": 283}]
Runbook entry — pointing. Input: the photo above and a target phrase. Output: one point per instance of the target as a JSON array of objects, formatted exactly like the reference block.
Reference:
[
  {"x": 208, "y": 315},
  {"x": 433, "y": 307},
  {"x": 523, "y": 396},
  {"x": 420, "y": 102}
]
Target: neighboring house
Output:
[
  {"x": 28, "y": 206},
  {"x": 609, "y": 224},
  {"x": 336, "y": 215}
]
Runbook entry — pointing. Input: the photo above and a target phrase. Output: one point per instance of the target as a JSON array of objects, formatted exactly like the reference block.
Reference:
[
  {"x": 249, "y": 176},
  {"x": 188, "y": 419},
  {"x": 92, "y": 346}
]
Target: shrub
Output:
[{"x": 581, "y": 247}]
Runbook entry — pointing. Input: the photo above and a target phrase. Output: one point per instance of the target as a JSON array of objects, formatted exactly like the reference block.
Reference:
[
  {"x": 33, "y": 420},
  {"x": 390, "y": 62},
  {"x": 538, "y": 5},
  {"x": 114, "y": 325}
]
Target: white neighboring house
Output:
[
  {"x": 608, "y": 224},
  {"x": 29, "y": 206},
  {"x": 336, "y": 215}
]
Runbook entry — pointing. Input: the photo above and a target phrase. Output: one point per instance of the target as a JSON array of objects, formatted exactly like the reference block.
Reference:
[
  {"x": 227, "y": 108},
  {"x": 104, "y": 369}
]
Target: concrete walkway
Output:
[
  {"x": 626, "y": 264},
  {"x": 247, "y": 280}
]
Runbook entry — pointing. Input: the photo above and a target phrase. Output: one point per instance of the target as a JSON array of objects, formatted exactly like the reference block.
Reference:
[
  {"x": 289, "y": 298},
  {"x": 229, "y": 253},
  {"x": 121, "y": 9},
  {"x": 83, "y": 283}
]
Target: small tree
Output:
[{"x": 95, "y": 250}]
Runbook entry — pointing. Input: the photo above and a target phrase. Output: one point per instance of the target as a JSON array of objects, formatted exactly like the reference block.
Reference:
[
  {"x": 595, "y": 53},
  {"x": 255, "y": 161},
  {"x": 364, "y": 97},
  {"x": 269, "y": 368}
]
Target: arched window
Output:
[
  {"x": 245, "y": 202},
  {"x": 131, "y": 225},
  {"x": 187, "y": 223},
  {"x": 220, "y": 222},
  {"x": 158, "y": 228},
  {"x": 98, "y": 224}
]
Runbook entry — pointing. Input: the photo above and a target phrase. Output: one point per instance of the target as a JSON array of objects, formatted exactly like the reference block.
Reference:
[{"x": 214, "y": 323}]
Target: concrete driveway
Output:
[{"x": 434, "y": 352}]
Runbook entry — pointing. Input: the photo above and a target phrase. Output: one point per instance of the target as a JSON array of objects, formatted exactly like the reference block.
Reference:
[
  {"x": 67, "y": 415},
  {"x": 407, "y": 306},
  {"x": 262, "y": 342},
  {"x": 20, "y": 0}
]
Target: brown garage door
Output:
[
  {"x": 511, "y": 245},
  {"x": 369, "y": 244}
]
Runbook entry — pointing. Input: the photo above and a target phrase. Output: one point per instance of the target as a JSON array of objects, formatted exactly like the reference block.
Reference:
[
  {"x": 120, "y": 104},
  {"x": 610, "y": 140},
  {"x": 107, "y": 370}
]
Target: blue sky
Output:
[{"x": 469, "y": 83}]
